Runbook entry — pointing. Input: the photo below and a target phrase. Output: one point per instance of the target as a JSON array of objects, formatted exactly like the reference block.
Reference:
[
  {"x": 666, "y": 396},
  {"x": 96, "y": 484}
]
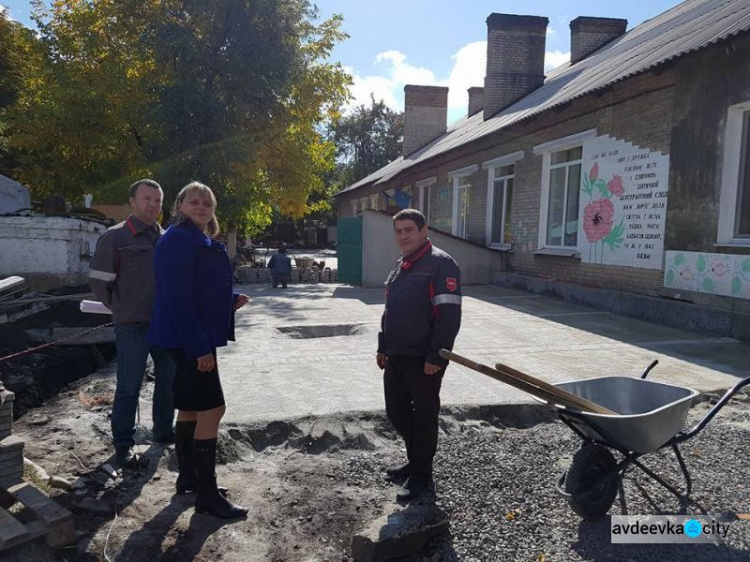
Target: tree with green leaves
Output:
[
  {"x": 229, "y": 92},
  {"x": 13, "y": 65},
  {"x": 366, "y": 140}
]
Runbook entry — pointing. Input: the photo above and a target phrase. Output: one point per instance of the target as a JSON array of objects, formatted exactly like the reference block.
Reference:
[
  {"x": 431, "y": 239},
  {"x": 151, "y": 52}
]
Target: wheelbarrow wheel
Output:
[{"x": 590, "y": 464}]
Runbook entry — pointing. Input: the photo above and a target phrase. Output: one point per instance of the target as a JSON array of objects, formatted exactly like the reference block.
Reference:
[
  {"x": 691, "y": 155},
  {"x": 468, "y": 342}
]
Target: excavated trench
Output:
[{"x": 41, "y": 375}]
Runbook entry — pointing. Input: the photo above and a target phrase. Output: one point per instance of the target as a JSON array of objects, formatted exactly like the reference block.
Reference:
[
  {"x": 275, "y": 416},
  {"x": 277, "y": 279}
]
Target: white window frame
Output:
[
  {"x": 455, "y": 176},
  {"x": 545, "y": 150},
  {"x": 424, "y": 186},
  {"x": 355, "y": 207},
  {"x": 491, "y": 166},
  {"x": 731, "y": 174},
  {"x": 375, "y": 201}
]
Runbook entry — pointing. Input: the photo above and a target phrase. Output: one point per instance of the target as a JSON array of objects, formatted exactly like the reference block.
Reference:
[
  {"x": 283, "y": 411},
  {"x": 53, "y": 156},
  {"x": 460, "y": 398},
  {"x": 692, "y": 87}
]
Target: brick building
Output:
[{"x": 620, "y": 179}]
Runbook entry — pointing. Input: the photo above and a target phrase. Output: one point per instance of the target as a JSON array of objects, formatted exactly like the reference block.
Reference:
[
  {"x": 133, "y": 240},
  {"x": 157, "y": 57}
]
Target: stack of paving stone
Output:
[
  {"x": 11, "y": 448},
  {"x": 246, "y": 274},
  {"x": 50, "y": 520},
  {"x": 264, "y": 275}
]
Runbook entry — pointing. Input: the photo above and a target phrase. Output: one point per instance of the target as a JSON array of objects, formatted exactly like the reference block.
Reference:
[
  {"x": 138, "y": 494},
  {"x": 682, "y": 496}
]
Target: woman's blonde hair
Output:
[{"x": 212, "y": 229}]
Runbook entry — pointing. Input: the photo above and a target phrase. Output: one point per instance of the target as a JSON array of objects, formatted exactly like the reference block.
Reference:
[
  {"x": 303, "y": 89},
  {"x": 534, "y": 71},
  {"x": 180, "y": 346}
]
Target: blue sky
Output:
[{"x": 438, "y": 42}]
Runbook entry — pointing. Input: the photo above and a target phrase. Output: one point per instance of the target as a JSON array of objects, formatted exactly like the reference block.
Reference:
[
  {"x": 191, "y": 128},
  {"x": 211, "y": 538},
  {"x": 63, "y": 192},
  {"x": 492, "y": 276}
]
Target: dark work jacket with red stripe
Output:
[
  {"x": 422, "y": 307},
  {"x": 121, "y": 271}
]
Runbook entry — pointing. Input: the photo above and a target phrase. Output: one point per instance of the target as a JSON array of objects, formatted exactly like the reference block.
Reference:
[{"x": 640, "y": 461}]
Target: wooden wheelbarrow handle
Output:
[{"x": 532, "y": 385}]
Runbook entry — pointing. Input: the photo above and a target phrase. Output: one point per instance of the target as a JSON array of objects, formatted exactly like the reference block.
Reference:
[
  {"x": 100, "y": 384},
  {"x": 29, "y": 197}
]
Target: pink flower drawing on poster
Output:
[
  {"x": 598, "y": 214},
  {"x": 594, "y": 173},
  {"x": 615, "y": 186},
  {"x": 597, "y": 219}
]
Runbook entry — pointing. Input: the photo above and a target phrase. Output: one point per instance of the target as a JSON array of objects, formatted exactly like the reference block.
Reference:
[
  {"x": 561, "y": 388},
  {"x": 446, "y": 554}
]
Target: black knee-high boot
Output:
[
  {"x": 209, "y": 499},
  {"x": 187, "y": 479}
]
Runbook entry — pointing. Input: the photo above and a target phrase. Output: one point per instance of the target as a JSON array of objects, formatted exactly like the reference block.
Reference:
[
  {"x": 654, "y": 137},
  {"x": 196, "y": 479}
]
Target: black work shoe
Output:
[
  {"x": 398, "y": 471},
  {"x": 413, "y": 487},
  {"x": 126, "y": 458}
]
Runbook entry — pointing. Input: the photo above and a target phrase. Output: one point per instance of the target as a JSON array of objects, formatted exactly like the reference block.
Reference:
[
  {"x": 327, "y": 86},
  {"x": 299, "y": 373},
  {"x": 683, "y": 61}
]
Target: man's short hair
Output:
[
  {"x": 410, "y": 215},
  {"x": 150, "y": 183}
]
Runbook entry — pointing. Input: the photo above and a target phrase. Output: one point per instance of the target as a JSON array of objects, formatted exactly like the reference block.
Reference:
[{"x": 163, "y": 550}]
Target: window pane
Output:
[
  {"x": 496, "y": 236},
  {"x": 426, "y": 203},
  {"x": 504, "y": 171},
  {"x": 555, "y": 207},
  {"x": 743, "y": 195},
  {"x": 508, "y": 199},
  {"x": 463, "y": 213},
  {"x": 442, "y": 203},
  {"x": 571, "y": 208},
  {"x": 567, "y": 155},
  {"x": 464, "y": 181}
]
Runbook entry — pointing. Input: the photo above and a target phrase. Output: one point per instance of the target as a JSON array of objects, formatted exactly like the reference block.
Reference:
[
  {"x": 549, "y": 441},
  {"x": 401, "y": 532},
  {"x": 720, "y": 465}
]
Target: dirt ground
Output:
[
  {"x": 303, "y": 481},
  {"x": 311, "y": 484}
]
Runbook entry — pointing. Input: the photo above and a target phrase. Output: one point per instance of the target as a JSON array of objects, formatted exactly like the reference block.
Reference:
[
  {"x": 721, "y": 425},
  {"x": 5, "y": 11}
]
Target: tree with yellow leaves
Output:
[{"x": 229, "y": 92}]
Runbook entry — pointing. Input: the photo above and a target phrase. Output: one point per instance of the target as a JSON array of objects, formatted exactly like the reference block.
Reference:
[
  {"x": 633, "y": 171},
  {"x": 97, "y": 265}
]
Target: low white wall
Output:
[
  {"x": 46, "y": 245},
  {"x": 380, "y": 252}
]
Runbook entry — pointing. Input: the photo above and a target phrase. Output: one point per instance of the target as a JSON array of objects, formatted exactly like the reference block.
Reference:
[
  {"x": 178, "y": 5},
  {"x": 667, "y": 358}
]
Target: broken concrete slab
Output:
[{"x": 399, "y": 533}]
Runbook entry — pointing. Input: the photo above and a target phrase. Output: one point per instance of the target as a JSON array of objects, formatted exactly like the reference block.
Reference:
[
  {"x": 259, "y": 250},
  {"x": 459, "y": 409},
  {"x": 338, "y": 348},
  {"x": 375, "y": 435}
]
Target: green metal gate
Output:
[{"x": 349, "y": 250}]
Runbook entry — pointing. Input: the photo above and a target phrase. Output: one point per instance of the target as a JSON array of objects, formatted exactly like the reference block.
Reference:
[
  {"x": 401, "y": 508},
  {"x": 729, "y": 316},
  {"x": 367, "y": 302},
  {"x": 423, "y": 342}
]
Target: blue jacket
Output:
[
  {"x": 422, "y": 306},
  {"x": 194, "y": 305},
  {"x": 280, "y": 264}
]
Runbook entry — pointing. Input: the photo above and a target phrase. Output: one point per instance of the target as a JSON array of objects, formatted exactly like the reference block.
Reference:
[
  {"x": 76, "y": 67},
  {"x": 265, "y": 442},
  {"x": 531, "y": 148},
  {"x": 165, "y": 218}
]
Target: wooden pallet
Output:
[{"x": 52, "y": 521}]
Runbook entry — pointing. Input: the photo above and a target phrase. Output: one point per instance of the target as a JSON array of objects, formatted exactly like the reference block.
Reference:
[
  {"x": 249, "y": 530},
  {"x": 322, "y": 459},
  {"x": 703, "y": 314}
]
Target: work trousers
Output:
[
  {"x": 412, "y": 402},
  {"x": 132, "y": 353}
]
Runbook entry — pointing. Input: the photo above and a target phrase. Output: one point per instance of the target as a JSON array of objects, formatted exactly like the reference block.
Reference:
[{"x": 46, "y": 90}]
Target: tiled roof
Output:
[{"x": 688, "y": 27}]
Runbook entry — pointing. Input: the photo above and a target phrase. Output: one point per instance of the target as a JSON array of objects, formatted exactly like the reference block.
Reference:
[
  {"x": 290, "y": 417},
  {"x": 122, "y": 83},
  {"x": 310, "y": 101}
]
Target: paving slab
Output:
[{"x": 269, "y": 375}]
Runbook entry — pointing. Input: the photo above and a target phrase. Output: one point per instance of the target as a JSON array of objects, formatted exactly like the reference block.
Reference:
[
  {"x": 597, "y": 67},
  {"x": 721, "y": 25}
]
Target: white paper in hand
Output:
[{"x": 94, "y": 307}]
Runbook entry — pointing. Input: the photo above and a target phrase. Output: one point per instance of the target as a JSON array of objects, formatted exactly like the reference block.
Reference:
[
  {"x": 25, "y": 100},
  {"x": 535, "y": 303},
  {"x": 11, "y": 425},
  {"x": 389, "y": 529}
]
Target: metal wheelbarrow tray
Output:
[
  {"x": 649, "y": 413},
  {"x": 651, "y": 416}
]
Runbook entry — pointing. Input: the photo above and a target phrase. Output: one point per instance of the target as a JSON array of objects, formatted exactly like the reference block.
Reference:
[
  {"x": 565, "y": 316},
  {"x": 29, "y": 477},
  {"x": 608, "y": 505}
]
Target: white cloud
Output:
[
  {"x": 395, "y": 72},
  {"x": 553, "y": 59},
  {"x": 388, "y": 85},
  {"x": 469, "y": 67},
  {"x": 550, "y": 30}
]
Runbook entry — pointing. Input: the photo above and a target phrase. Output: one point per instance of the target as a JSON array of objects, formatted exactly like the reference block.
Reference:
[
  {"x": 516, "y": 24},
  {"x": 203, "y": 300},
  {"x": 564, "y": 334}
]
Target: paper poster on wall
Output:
[{"x": 623, "y": 204}]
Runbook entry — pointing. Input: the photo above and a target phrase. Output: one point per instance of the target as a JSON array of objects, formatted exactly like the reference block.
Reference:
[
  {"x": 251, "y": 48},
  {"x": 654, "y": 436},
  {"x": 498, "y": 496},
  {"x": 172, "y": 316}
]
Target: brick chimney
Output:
[
  {"x": 476, "y": 100},
  {"x": 590, "y": 34},
  {"x": 425, "y": 115},
  {"x": 515, "y": 59}
]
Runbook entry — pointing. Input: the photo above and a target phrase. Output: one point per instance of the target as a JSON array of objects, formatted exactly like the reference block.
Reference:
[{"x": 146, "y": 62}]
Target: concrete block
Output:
[
  {"x": 399, "y": 533},
  {"x": 11, "y": 443}
]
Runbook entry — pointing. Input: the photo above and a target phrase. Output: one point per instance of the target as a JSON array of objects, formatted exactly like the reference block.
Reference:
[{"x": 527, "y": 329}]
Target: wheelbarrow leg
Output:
[{"x": 683, "y": 467}]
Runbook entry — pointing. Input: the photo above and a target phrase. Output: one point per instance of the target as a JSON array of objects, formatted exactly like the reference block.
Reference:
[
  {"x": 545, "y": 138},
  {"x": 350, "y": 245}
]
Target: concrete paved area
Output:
[{"x": 267, "y": 375}]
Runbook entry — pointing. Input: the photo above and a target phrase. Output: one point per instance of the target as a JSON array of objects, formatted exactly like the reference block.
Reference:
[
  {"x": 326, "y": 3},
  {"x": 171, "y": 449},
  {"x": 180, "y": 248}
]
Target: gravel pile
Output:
[{"x": 497, "y": 486}]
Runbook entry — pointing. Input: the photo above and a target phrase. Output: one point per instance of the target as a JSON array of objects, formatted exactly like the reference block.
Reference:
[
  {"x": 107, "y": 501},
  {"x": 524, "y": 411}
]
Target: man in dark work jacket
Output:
[
  {"x": 121, "y": 274},
  {"x": 422, "y": 315}
]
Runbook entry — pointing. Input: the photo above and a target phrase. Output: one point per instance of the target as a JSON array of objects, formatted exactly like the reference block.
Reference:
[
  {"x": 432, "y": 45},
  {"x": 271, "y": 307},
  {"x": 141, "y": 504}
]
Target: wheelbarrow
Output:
[{"x": 643, "y": 417}]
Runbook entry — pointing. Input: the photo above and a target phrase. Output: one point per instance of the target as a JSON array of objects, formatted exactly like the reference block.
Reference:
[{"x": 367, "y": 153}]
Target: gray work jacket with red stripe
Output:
[
  {"x": 121, "y": 271},
  {"x": 422, "y": 306}
]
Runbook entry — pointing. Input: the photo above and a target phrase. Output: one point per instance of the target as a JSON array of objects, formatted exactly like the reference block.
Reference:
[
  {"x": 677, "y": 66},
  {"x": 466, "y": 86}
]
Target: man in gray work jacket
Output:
[
  {"x": 122, "y": 276},
  {"x": 422, "y": 315}
]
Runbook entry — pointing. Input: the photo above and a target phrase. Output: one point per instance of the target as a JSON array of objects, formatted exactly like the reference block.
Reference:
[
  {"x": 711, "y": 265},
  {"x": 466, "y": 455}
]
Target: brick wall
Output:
[
  {"x": 590, "y": 34},
  {"x": 515, "y": 59},
  {"x": 638, "y": 110},
  {"x": 425, "y": 116}
]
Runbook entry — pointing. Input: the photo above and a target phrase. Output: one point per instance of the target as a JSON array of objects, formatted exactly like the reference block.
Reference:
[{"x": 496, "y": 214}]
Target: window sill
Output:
[
  {"x": 742, "y": 248},
  {"x": 499, "y": 247},
  {"x": 560, "y": 252}
]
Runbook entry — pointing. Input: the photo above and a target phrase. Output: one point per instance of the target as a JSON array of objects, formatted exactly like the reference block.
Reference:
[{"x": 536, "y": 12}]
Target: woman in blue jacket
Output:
[{"x": 193, "y": 315}]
